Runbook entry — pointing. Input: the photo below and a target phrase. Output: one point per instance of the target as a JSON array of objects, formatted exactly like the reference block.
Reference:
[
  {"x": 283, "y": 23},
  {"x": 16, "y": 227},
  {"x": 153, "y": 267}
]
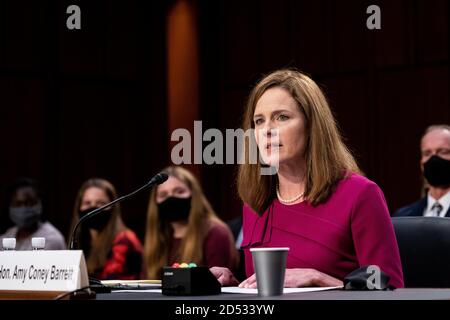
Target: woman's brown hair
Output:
[
  {"x": 98, "y": 253},
  {"x": 327, "y": 158},
  {"x": 159, "y": 235}
]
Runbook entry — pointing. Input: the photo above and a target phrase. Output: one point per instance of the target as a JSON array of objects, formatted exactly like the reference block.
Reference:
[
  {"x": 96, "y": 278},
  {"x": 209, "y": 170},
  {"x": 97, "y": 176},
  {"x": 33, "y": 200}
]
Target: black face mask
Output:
[
  {"x": 99, "y": 221},
  {"x": 174, "y": 209},
  {"x": 437, "y": 171}
]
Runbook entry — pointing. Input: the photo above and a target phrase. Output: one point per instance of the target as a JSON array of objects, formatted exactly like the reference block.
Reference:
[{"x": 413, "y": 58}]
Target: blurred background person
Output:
[
  {"x": 26, "y": 213},
  {"x": 112, "y": 250},
  {"x": 183, "y": 227},
  {"x": 435, "y": 167}
]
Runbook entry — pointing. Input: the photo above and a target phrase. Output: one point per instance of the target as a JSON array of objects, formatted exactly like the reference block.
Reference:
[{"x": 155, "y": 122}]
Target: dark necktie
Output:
[{"x": 436, "y": 209}]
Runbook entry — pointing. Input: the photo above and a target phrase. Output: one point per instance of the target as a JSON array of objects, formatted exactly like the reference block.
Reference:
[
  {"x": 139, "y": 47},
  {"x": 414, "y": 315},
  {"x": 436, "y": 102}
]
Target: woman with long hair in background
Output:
[
  {"x": 183, "y": 227},
  {"x": 112, "y": 250}
]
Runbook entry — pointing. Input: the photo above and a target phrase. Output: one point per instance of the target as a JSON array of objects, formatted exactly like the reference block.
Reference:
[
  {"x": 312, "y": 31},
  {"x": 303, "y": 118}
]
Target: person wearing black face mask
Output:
[
  {"x": 25, "y": 211},
  {"x": 112, "y": 250},
  {"x": 182, "y": 227},
  {"x": 435, "y": 165}
]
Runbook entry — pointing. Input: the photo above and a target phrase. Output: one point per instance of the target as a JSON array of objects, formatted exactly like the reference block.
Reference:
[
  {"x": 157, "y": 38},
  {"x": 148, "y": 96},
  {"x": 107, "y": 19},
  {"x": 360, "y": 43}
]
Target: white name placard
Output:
[{"x": 43, "y": 270}]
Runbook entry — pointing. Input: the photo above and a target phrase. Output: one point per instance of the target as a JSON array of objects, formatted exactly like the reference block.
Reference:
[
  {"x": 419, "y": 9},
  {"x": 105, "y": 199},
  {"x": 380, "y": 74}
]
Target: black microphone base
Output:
[{"x": 97, "y": 286}]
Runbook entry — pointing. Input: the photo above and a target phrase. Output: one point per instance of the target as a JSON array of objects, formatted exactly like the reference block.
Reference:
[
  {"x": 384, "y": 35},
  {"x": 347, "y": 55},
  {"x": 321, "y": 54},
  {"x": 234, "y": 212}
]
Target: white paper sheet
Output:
[
  {"x": 140, "y": 290},
  {"x": 245, "y": 290},
  {"x": 285, "y": 290}
]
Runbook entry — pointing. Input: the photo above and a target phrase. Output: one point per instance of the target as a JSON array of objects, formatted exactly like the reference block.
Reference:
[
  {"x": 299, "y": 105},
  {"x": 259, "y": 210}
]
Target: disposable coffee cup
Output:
[{"x": 270, "y": 266}]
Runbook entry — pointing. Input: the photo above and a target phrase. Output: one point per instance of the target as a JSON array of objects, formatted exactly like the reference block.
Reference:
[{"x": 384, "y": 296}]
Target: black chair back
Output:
[{"x": 424, "y": 244}]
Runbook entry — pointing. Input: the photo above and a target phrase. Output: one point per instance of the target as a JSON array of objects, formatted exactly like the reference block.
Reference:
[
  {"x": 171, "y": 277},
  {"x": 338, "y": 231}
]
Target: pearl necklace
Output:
[{"x": 287, "y": 200}]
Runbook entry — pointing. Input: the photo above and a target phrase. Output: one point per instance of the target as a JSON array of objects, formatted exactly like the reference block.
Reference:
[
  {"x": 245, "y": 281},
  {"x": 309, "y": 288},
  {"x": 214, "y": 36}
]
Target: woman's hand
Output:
[
  {"x": 295, "y": 278},
  {"x": 224, "y": 276}
]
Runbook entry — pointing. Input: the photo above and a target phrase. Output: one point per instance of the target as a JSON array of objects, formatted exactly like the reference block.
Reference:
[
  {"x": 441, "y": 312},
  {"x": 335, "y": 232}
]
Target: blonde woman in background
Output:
[{"x": 183, "y": 227}]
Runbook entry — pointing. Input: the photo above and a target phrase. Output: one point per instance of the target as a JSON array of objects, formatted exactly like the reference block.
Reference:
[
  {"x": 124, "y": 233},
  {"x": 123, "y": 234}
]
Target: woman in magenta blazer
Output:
[{"x": 317, "y": 203}]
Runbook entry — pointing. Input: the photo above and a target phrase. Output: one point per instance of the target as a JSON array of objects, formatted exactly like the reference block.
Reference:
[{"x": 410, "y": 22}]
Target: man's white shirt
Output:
[{"x": 443, "y": 201}]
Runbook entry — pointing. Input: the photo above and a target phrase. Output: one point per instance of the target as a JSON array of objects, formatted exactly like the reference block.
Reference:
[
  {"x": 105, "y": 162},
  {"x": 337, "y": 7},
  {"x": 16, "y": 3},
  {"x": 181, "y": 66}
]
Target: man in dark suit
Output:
[{"x": 435, "y": 165}]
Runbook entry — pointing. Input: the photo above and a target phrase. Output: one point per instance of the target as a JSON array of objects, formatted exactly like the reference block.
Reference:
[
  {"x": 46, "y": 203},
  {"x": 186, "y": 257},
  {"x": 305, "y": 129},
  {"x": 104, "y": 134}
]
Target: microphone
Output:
[{"x": 157, "y": 179}]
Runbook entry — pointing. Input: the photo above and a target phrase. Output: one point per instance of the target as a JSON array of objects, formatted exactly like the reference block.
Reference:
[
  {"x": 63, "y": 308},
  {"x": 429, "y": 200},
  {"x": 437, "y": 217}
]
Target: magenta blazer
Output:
[{"x": 352, "y": 228}]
